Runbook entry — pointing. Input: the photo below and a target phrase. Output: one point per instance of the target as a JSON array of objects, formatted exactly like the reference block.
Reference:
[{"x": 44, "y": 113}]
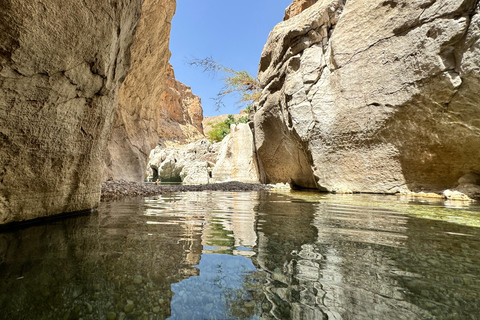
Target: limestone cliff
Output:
[
  {"x": 136, "y": 128},
  {"x": 61, "y": 66},
  {"x": 180, "y": 113},
  {"x": 297, "y": 7},
  {"x": 236, "y": 157},
  {"x": 372, "y": 96}
]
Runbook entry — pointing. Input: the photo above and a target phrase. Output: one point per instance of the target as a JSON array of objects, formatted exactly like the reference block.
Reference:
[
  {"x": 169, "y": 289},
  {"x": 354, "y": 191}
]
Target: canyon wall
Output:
[
  {"x": 372, "y": 96},
  {"x": 61, "y": 66},
  {"x": 136, "y": 128},
  {"x": 180, "y": 116},
  {"x": 297, "y": 7}
]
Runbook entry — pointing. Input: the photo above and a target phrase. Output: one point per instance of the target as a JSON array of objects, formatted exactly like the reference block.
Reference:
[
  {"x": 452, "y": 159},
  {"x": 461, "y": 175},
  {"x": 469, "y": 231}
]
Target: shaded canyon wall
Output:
[
  {"x": 61, "y": 67},
  {"x": 136, "y": 129},
  {"x": 372, "y": 96}
]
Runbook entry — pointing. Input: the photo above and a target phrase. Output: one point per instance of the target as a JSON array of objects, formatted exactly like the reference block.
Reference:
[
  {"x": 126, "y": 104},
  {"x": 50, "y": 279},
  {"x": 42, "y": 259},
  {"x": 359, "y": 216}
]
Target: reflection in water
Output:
[{"x": 250, "y": 255}]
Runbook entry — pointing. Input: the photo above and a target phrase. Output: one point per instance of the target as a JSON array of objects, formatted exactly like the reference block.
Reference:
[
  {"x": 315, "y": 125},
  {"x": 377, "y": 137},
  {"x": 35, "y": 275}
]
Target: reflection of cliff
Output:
[
  {"x": 283, "y": 227},
  {"x": 442, "y": 276},
  {"x": 89, "y": 266},
  {"x": 226, "y": 220},
  {"x": 335, "y": 261}
]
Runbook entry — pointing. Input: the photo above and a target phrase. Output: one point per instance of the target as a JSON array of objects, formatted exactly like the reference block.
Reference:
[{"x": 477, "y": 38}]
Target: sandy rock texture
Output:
[
  {"x": 372, "y": 96},
  {"x": 137, "y": 119},
  {"x": 201, "y": 162},
  {"x": 237, "y": 160},
  {"x": 61, "y": 66},
  {"x": 190, "y": 164},
  {"x": 180, "y": 116},
  {"x": 297, "y": 7}
]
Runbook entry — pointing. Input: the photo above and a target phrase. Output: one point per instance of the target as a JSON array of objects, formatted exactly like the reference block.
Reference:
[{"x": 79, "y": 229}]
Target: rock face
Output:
[
  {"x": 191, "y": 164},
  {"x": 200, "y": 162},
  {"x": 237, "y": 159},
  {"x": 297, "y": 7},
  {"x": 181, "y": 115},
  {"x": 136, "y": 126},
  {"x": 61, "y": 66},
  {"x": 372, "y": 96}
]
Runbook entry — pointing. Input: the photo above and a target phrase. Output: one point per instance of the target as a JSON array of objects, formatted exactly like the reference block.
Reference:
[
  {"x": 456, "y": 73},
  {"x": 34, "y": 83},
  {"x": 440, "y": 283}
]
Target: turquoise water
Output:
[{"x": 248, "y": 255}]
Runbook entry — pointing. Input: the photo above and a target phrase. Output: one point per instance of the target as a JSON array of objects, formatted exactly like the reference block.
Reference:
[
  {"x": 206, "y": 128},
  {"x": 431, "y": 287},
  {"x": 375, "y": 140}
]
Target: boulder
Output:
[
  {"x": 190, "y": 164},
  {"x": 236, "y": 158},
  {"x": 372, "y": 96},
  {"x": 61, "y": 67}
]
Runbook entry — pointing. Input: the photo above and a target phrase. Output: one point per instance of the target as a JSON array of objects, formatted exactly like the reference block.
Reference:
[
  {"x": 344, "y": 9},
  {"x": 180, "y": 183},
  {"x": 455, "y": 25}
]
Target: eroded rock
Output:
[
  {"x": 190, "y": 164},
  {"x": 372, "y": 96},
  {"x": 236, "y": 157},
  {"x": 61, "y": 66},
  {"x": 297, "y": 7},
  {"x": 134, "y": 132}
]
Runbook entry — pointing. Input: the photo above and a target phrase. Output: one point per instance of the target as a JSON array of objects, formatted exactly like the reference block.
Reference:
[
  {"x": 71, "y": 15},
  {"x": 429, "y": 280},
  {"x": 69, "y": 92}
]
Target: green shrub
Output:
[
  {"x": 218, "y": 132},
  {"x": 222, "y": 129}
]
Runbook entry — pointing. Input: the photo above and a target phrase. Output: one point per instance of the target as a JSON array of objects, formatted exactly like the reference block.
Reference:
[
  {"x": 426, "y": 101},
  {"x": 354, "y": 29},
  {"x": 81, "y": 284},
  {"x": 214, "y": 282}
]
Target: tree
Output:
[{"x": 240, "y": 82}]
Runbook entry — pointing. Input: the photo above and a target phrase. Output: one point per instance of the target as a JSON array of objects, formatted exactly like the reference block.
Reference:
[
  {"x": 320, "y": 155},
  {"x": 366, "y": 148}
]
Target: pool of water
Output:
[{"x": 248, "y": 255}]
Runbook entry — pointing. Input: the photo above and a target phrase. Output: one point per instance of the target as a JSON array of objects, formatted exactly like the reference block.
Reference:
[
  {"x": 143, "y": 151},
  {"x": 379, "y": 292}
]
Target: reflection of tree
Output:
[{"x": 219, "y": 237}]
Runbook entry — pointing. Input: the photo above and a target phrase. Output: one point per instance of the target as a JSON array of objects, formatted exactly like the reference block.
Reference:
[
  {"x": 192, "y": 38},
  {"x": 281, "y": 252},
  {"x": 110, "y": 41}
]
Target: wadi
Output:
[{"x": 345, "y": 185}]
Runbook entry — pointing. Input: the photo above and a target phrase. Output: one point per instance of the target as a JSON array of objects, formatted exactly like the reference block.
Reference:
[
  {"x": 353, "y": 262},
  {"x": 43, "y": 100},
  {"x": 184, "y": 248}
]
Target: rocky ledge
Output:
[{"x": 116, "y": 189}]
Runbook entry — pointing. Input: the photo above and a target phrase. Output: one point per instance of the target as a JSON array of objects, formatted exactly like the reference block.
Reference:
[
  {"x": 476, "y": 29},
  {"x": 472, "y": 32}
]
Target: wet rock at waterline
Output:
[
  {"x": 372, "y": 96},
  {"x": 61, "y": 66}
]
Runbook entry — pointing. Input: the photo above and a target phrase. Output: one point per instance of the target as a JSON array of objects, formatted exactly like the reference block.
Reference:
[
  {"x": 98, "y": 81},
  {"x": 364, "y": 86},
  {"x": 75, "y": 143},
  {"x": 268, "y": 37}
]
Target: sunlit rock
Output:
[
  {"x": 371, "y": 96},
  {"x": 140, "y": 116},
  {"x": 236, "y": 158}
]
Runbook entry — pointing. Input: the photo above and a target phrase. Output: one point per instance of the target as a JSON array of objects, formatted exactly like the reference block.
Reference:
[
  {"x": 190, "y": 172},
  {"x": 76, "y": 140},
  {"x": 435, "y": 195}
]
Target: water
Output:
[{"x": 248, "y": 255}]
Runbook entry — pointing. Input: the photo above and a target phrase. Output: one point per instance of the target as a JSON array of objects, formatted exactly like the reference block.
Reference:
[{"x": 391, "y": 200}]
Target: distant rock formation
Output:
[
  {"x": 372, "y": 96},
  {"x": 61, "y": 66},
  {"x": 201, "y": 162},
  {"x": 181, "y": 114},
  {"x": 236, "y": 157},
  {"x": 191, "y": 164},
  {"x": 139, "y": 113}
]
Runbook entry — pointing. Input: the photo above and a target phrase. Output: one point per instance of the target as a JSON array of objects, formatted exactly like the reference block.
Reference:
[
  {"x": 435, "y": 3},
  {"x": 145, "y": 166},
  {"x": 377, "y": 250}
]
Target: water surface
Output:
[{"x": 248, "y": 255}]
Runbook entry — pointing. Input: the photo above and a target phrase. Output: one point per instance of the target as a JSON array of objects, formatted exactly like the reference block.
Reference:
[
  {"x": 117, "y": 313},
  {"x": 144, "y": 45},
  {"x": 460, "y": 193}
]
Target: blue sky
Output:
[{"x": 233, "y": 32}]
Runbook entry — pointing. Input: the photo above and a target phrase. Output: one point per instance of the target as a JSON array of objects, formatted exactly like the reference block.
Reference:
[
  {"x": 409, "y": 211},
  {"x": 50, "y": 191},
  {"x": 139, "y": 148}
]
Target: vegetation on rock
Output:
[{"x": 221, "y": 129}]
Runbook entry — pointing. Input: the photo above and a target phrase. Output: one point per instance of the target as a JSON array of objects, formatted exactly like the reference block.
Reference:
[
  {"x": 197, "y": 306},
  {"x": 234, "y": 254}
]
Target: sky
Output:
[{"x": 231, "y": 32}]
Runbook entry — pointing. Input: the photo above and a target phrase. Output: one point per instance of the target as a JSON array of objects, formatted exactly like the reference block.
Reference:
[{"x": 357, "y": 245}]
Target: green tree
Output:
[
  {"x": 235, "y": 82},
  {"x": 221, "y": 129}
]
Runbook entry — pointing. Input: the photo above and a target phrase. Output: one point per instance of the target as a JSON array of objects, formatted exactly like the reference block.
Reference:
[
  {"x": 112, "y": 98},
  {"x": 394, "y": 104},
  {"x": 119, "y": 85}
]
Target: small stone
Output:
[
  {"x": 89, "y": 307},
  {"x": 111, "y": 316},
  {"x": 129, "y": 306},
  {"x": 209, "y": 307}
]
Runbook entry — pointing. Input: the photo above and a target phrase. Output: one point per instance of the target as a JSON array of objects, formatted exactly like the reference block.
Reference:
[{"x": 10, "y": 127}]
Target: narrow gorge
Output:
[{"x": 346, "y": 187}]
